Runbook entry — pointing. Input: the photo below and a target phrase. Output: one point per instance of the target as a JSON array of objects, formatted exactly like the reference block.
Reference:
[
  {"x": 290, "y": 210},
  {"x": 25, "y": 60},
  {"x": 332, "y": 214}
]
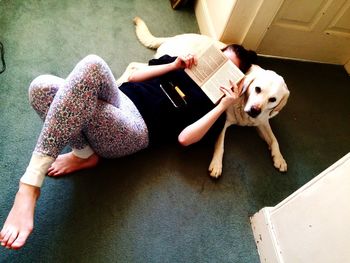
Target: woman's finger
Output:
[
  {"x": 228, "y": 92},
  {"x": 236, "y": 88},
  {"x": 189, "y": 60}
]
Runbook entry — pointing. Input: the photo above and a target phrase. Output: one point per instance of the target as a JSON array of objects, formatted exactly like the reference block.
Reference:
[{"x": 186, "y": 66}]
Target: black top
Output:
[{"x": 165, "y": 121}]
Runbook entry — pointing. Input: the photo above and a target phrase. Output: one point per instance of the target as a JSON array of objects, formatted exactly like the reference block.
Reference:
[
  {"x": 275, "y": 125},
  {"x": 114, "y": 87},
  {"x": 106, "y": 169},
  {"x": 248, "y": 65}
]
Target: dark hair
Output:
[{"x": 246, "y": 57}]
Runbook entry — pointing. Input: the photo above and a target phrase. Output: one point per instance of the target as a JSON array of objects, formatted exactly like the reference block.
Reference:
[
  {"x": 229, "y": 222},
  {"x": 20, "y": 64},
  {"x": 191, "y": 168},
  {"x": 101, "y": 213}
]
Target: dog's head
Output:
[{"x": 266, "y": 93}]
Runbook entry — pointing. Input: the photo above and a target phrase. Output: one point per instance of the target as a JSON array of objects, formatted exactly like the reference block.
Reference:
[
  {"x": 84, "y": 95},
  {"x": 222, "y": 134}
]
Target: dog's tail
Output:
[{"x": 145, "y": 36}]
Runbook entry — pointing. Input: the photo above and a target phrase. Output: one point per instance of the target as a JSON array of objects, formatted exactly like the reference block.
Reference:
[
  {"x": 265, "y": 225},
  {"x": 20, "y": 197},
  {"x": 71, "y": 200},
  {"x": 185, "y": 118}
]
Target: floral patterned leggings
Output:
[{"x": 86, "y": 109}]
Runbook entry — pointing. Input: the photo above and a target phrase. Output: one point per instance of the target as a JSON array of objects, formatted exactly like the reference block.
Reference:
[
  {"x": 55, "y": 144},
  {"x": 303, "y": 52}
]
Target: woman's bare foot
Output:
[
  {"x": 68, "y": 163},
  {"x": 20, "y": 221}
]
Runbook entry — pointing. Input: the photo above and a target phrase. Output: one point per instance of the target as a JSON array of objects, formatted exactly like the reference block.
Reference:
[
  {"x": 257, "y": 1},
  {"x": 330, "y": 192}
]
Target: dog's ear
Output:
[
  {"x": 282, "y": 102},
  {"x": 245, "y": 83},
  {"x": 249, "y": 78}
]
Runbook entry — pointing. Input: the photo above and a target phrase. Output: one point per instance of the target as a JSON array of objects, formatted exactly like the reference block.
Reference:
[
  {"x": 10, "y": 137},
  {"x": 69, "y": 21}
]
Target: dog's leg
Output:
[
  {"x": 215, "y": 167},
  {"x": 129, "y": 69},
  {"x": 266, "y": 133}
]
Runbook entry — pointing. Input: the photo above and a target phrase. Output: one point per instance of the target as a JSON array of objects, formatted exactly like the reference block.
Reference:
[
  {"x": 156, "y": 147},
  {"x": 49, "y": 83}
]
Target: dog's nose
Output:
[{"x": 254, "y": 111}]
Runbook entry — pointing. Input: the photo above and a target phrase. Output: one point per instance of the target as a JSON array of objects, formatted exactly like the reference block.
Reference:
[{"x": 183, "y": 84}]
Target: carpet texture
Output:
[{"x": 158, "y": 205}]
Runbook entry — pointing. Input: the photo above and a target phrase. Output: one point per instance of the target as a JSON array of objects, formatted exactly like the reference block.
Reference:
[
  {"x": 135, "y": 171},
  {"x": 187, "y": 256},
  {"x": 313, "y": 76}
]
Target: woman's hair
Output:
[{"x": 246, "y": 57}]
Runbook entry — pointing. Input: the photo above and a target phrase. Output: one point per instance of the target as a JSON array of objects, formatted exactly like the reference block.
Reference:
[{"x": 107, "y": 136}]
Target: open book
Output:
[{"x": 212, "y": 71}]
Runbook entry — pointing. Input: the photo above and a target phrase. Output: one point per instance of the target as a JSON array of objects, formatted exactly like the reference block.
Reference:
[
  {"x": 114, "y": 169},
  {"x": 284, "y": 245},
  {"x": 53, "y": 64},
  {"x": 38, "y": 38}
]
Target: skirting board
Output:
[
  {"x": 346, "y": 66},
  {"x": 310, "y": 225},
  {"x": 264, "y": 236}
]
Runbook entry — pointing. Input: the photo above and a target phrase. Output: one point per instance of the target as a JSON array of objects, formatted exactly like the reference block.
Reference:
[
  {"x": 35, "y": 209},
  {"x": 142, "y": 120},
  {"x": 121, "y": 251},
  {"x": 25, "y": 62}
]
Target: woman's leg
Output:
[
  {"x": 75, "y": 103},
  {"x": 116, "y": 131},
  {"x": 112, "y": 132},
  {"x": 73, "y": 109},
  {"x": 42, "y": 91},
  {"x": 123, "y": 127}
]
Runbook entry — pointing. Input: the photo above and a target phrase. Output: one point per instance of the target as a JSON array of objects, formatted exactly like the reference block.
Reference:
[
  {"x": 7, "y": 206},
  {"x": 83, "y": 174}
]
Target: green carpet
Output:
[{"x": 158, "y": 205}]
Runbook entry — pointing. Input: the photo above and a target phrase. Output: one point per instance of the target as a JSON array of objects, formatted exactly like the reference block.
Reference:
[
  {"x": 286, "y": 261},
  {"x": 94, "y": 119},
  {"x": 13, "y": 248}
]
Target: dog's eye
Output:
[
  {"x": 257, "y": 89},
  {"x": 272, "y": 99}
]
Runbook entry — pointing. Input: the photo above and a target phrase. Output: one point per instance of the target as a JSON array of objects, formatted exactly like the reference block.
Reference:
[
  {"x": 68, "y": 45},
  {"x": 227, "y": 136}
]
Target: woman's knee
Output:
[
  {"x": 44, "y": 82},
  {"x": 93, "y": 60},
  {"x": 42, "y": 90},
  {"x": 91, "y": 71}
]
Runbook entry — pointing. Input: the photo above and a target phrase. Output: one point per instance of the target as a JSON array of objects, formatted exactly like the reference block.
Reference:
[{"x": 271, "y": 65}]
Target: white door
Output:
[{"x": 317, "y": 30}]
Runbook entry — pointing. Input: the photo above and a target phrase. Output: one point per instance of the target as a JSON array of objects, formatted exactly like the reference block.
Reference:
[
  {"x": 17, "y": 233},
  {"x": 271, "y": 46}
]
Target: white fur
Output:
[{"x": 271, "y": 85}]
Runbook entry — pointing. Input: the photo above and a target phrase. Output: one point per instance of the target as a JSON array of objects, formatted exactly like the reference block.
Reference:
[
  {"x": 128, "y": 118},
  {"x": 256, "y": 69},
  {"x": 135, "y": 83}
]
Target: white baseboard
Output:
[
  {"x": 264, "y": 236},
  {"x": 346, "y": 66},
  {"x": 311, "y": 224}
]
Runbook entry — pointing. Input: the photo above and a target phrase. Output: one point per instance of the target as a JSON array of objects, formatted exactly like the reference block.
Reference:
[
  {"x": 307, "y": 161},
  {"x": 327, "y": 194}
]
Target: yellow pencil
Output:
[{"x": 182, "y": 95}]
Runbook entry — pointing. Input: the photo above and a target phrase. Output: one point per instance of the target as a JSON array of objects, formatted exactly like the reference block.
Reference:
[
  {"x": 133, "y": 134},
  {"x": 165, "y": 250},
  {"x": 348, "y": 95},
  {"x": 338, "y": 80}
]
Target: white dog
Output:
[{"x": 266, "y": 92}]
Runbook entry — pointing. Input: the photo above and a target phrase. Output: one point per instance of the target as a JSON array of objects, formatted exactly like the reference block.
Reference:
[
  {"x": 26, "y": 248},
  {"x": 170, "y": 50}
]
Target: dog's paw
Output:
[
  {"x": 215, "y": 169},
  {"x": 280, "y": 164}
]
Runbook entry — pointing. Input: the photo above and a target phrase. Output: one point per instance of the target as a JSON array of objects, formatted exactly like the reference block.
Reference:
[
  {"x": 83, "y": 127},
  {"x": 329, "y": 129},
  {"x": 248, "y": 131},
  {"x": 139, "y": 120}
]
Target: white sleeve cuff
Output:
[
  {"x": 37, "y": 169},
  {"x": 84, "y": 153}
]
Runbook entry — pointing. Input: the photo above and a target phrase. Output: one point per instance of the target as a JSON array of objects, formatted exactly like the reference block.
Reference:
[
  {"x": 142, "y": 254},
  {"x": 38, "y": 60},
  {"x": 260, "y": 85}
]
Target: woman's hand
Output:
[
  {"x": 232, "y": 93},
  {"x": 185, "y": 61}
]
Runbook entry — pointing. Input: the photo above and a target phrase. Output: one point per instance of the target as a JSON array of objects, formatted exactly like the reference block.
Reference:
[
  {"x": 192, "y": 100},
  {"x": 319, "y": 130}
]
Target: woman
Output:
[{"x": 97, "y": 119}]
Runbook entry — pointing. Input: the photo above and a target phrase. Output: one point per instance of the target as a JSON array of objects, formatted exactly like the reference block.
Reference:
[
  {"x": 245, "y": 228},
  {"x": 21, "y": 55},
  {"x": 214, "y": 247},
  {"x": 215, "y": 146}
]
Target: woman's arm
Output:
[
  {"x": 149, "y": 72},
  {"x": 196, "y": 131}
]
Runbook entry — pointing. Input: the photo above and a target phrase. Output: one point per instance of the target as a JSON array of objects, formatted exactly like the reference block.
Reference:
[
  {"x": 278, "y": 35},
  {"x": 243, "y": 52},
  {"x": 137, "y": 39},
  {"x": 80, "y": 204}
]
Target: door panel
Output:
[{"x": 317, "y": 30}]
